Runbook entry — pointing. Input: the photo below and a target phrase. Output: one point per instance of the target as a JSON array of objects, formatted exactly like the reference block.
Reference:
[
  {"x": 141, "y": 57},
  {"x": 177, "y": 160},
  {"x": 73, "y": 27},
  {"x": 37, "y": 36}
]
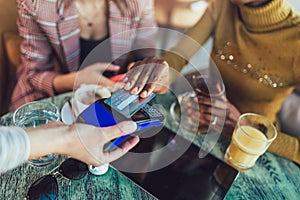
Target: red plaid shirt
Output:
[{"x": 50, "y": 44}]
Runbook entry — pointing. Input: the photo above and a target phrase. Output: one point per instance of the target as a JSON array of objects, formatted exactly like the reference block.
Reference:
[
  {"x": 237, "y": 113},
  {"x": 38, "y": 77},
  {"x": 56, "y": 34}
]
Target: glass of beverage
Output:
[
  {"x": 186, "y": 112},
  {"x": 208, "y": 86},
  {"x": 252, "y": 136},
  {"x": 34, "y": 114}
]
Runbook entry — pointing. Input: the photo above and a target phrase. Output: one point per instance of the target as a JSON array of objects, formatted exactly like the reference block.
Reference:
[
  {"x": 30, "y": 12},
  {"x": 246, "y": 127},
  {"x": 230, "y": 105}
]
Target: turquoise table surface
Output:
[
  {"x": 273, "y": 177},
  {"x": 113, "y": 185}
]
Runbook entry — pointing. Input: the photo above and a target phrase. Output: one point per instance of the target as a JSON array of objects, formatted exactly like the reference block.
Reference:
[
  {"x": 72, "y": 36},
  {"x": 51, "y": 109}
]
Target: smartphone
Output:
[{"x": 101, "y": 114}]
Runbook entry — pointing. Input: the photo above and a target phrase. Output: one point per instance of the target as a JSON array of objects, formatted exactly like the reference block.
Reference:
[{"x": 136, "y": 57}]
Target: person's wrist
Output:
[
  {"x": 61, "y": 138},
  {"x": 67, "y": 140},
  {"x": 46, "y": 139},
  {"x": 64, "y": 82}
]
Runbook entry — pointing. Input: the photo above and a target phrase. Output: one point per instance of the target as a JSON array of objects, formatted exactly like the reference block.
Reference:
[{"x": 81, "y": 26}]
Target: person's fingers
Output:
[
  {"x": 232, "y": 118},
  {"x": 203, "y": 99},
  {"x": 129, "y": 73},
  {"x": 214, "y": 111},
  {"x": 100, "y": 67},
  {"x": 103, "y": 81},
  {"x": 120, "y": 151},
  {"x": 147, "y": 76},
  {"x": 216, "y": 102},
  {"x": 133, "y": 75},
  {"x": 117, "y": 86},
  {"x": 203, "y": 122},
  {"x": 197, "y": 118},
  {"x": 215, "y": 117},
  {"x": 229, "y": 123},
  {"x": 122, "y": 128},
  {"x": 112, "y": 67},
  {"x": 155, "y": 83},
  {"x": 233, "y": 112},
  {"x": 193, "y": 109},
  {"x": 143, "y": 78},
  {"x": 206, "y": 117}
]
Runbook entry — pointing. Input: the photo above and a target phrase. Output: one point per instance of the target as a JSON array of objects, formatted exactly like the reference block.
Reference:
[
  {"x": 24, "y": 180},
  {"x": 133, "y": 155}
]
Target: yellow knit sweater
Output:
[{"x": 257, "y": 51}]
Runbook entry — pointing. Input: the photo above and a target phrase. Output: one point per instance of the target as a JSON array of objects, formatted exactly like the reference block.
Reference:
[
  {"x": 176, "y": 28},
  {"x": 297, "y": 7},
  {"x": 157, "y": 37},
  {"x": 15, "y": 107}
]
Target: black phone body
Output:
[{"x": 100, "y": 114}]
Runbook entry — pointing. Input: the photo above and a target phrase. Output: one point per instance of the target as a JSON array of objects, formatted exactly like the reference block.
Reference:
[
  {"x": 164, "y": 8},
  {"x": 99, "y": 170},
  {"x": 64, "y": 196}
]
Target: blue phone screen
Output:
[{"x": 98, "y": 116}]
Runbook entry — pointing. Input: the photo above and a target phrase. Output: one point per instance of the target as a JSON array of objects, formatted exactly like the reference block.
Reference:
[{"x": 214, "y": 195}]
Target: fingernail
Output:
[
  {"x": 144, "y": 93},
  {"x": 128, "y": 126},
  {"x": 135, "y": 90},
  {"x": 128, "y": 84},
  {"x": 125, "y": 79}
]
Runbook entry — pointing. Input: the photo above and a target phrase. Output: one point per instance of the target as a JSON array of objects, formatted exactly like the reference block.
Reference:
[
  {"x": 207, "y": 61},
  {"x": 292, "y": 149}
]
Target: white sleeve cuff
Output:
[{"x": 14, "y": 147}]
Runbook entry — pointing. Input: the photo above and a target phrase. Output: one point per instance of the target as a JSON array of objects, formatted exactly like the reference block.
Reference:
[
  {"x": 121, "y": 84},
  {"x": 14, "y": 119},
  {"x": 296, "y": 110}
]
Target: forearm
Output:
[
  {"x": 48, "y": 138},
  {"x": 37, "y": 52},
  {"x": 64, "y": 82},
  {"x": 192, "y": 40}
]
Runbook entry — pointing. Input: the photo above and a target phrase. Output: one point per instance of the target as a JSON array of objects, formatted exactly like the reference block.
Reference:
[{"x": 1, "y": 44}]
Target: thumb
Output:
[{"x": 119, "y": 129}]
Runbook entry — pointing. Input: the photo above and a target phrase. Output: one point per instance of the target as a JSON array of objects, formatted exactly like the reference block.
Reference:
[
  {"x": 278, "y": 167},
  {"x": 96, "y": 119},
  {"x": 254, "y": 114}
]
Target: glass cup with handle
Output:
[
  {"x": 204, "y": 86},
  {"x": 252, "y": 136},
  {"x": 33, "y": 114}
]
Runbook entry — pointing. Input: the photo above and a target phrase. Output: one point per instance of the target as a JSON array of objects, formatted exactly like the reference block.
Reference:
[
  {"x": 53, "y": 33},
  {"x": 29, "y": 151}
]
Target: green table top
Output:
[{"x": 273, "y": 177}]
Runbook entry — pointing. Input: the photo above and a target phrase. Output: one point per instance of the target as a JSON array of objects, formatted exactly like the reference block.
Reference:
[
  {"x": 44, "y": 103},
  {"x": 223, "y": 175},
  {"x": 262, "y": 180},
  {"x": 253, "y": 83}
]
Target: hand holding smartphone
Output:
[{"x": 119, "y": 107}]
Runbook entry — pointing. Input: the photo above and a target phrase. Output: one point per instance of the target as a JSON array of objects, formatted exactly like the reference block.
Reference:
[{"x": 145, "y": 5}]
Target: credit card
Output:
[{"x": 126, "y": 103}]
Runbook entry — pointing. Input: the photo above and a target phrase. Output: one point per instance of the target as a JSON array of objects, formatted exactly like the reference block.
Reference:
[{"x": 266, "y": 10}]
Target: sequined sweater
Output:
[{"x": 257, "y": 52}]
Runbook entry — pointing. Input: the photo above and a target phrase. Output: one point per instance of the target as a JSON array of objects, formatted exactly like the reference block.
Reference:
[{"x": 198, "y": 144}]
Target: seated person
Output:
[
  {"x": 18, "y": 145},
  {"x": 254, "y": 51},
  {"x": 58, "y": 35}
]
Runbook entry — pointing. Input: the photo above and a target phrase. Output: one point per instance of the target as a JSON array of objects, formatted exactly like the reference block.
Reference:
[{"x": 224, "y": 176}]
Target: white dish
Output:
[{"x": 67, "y": 115}]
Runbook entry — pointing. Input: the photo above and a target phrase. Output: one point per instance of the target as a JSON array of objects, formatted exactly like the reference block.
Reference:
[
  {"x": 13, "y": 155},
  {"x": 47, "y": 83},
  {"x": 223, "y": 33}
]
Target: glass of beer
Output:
[{"x": 252, "y": 136}]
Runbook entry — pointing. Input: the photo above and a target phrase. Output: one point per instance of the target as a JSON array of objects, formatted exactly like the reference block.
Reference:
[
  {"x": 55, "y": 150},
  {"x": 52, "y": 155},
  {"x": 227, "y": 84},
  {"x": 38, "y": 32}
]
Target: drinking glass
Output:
[
  {"x": 252, "y": 136},
  {"x": 186, "y": 112},
  {"x": 34, "y": 114},
  {"x": 208, "y": 86}
]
